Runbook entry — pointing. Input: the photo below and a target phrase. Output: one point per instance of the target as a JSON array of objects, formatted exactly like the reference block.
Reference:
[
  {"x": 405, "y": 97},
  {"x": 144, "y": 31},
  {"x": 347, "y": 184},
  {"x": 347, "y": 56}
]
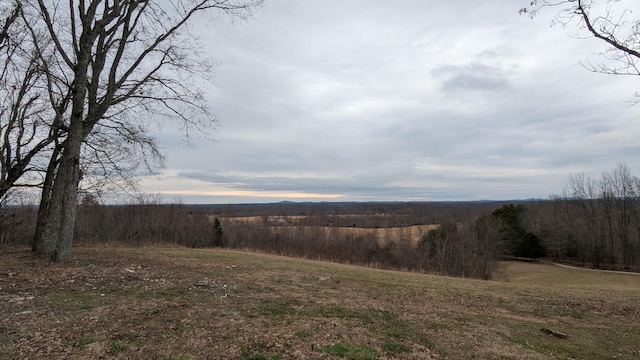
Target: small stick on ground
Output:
[{"x": 554, "y": 333}]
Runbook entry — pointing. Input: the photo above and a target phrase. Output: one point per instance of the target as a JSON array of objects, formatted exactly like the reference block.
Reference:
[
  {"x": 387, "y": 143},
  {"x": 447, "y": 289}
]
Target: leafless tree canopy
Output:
[
  {"x": 608, "y": 21},
  {"x": 27, "y": 122}
]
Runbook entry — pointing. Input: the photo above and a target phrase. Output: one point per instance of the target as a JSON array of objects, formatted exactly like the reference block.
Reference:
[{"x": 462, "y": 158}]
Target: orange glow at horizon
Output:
[{"x": 253, "y": 193}]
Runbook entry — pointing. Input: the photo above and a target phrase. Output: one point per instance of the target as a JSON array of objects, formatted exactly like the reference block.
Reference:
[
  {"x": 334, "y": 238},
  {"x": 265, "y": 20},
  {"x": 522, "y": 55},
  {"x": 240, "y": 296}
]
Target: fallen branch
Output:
[{"x": 554, "y": 333}]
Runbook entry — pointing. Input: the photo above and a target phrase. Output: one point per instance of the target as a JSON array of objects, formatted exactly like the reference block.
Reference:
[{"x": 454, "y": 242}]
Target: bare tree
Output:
[
  {"x": 122, "y": 62},
  {"x": 486, "y": 249},
  {"x": 31, "y": 126},
  {"x": 624, "y": 189},
  {"x": 28, "y": 122},
  {"x": 586, "y": 215},
  {"x": 603, "y": 22}
]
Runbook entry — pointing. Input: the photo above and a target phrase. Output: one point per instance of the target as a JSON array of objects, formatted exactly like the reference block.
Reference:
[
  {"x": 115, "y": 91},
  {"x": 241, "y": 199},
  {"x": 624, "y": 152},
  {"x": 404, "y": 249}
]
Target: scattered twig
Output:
[{"x": 554, "y": 333}]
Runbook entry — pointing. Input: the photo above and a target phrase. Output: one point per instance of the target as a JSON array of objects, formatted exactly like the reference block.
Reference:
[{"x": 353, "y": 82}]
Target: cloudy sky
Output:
[{"x": 364, "y": 100}]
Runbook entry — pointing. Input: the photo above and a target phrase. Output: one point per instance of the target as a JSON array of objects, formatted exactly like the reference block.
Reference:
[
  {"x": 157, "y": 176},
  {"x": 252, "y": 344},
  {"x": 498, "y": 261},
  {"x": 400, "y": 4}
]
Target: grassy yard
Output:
[{"x": 173, "y": 303}]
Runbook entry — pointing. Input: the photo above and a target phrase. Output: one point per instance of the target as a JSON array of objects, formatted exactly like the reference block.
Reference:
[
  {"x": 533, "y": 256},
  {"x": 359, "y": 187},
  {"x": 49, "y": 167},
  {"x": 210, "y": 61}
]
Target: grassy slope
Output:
[{"x": 191, "y": 304}]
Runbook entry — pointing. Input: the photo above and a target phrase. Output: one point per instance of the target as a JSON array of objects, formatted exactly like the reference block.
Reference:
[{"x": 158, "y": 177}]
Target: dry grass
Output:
[
  {"x": 171, "y": 303},
  {"x": 384, "y": 235},
  {"x": 413, "y": 232}
]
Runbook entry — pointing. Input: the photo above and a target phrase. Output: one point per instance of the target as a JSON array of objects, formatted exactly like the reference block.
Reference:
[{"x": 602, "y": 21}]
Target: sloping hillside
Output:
[{"x": 172, "y": 303}]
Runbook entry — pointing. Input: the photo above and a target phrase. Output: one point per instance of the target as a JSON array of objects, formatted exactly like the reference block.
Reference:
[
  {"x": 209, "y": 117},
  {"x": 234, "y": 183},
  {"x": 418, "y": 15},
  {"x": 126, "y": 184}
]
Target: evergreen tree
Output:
[
  {"x": 218, "y": 239},
  {"x": 516, "y": 239}
]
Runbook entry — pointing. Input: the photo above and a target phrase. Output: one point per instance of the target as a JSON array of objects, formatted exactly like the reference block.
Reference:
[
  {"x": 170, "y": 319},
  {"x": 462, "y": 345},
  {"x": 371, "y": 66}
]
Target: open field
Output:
[
  {"x": 174, "y": 303},
  {"x": 413, "y": 232}
]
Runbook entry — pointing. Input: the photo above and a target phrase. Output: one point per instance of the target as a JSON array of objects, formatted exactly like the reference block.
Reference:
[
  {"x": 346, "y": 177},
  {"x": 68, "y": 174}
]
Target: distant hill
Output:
[{"x": 420, "y": 209}]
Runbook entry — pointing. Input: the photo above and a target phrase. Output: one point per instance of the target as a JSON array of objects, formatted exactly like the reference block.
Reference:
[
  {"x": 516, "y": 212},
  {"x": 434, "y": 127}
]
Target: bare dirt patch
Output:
[{"x": 170, "y": 303}]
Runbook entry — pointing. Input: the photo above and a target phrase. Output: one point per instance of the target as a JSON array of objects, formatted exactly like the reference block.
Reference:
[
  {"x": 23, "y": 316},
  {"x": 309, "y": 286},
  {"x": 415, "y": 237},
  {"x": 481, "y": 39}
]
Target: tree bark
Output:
[
  {"x": 56, "y": 218},
  {"x": 38, "y": 245}
]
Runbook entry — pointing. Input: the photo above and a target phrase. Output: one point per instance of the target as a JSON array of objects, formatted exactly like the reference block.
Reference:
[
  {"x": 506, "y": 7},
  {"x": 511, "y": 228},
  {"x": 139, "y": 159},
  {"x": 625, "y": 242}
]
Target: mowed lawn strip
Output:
[{"x": 174, "y": 303}]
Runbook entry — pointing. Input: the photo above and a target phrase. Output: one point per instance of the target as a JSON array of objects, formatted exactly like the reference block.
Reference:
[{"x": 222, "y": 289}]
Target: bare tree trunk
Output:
[
  {"x": 56, "y": 218},
  {"x": 67, "y": 181},
  {"x": 37, "y": 244}
]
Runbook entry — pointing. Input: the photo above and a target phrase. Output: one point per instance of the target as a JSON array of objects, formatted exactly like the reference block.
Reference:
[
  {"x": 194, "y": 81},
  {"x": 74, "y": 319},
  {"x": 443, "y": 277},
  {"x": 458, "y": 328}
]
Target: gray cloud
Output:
[
  {"x": 374, "y": 101},
  {"x": 471, "y": 77}
]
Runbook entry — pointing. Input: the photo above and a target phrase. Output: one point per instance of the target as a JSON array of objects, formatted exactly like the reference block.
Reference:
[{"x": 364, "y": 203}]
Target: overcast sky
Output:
[{"x": 360, "y": 100}]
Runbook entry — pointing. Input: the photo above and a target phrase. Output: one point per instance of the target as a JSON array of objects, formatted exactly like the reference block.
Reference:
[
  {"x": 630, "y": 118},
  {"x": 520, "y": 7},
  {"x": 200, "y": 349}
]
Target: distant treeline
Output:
[
  {"x": 594, "y": 222},
  {"x": 463, "y": 245},
  {"x": 360, "y": 214}
]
